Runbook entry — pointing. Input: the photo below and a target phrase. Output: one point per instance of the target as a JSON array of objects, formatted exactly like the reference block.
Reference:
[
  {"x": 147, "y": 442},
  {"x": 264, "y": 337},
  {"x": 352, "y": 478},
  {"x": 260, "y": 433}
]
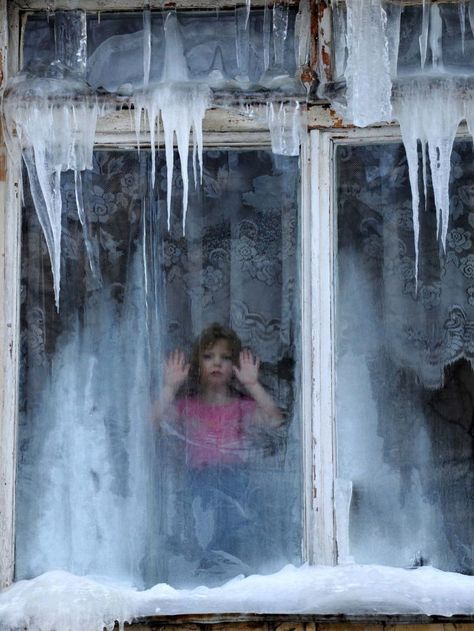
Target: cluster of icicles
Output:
[
  {"x": 428, "y": 105},
  {"x": 51, "y": 121}
]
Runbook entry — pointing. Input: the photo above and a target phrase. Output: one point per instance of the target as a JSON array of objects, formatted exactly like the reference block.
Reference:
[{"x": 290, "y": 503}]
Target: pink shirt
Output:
[{"x": 215, "y": 434}]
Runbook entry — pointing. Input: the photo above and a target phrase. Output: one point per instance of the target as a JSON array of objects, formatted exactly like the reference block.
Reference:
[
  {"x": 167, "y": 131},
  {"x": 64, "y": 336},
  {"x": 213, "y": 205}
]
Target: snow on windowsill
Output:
[{"x": 59, "y": 600}]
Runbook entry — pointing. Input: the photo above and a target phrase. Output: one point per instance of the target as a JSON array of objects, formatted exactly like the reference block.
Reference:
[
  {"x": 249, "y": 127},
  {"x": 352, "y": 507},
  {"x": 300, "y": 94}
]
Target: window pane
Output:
[
  {"x": 112, "y": 478},
  {"x": 217, "y": 46},
  {"x": 405, "y": 380}
]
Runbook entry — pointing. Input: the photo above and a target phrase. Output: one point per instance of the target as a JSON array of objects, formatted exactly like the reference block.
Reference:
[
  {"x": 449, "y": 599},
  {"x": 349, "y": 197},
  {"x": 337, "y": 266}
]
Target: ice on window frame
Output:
[
  {"x": 169, "y": 100},
  {"x": 429, "y": 105}
]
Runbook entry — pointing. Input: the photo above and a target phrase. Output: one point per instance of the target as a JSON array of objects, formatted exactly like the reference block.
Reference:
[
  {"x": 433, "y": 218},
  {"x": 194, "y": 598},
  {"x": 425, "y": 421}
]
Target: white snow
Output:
[
  {"x": 55, "y": 137},
  {"x": 59, "y": 600}
]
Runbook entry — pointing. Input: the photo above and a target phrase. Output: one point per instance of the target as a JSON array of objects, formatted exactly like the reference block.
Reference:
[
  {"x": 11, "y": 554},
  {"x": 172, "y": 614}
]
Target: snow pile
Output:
[{"x": 61, "y": 600}]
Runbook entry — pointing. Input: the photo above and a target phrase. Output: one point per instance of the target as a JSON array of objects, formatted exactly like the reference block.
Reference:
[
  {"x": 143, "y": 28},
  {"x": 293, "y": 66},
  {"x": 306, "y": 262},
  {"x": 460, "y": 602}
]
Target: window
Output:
[
  {"x": 309, "y": 258},
  {"x": 194, "y": 507},
  {"x": 92, "y": 450}
]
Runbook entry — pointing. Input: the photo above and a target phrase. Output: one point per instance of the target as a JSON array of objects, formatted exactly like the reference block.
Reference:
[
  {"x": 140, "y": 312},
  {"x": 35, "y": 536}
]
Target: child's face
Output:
[{"x": 216, "y": 364}]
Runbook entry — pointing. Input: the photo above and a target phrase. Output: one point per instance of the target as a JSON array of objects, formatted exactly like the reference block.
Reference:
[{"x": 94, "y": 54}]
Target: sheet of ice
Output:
[
  {"x": 280, "y": 32},
  {"x": 266, "y": 36},
  {"x": 70, "y": 36},
  {"x": 54, "y": 136},
  {"x": 60, "y": 600},
  {"x": 369, "y": 85},
  {"x": 242, "y": 44}
]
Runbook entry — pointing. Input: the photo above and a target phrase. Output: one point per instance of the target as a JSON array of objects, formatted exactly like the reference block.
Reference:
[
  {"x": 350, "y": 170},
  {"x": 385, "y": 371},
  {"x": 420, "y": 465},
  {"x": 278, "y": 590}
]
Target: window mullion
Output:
[{"x": 322, "y": 344}]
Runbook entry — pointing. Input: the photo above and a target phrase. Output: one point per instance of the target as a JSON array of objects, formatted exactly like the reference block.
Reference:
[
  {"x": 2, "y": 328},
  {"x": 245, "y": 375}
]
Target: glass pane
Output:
[
  {"x": 405, "y": 379},
  {"x": 219, "y": 47},
  {"x": 114, "y": 478}
]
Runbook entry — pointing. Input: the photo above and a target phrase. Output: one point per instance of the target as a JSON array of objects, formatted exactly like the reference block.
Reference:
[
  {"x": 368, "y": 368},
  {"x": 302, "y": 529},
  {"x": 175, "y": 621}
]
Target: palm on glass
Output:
[
  {"x": 247, "y": 371},
  {"x": 176, "y": 370}
]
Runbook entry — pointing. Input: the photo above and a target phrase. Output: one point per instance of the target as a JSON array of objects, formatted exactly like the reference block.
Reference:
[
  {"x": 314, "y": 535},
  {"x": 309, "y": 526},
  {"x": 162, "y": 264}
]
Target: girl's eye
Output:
[
  {"x": 206, "y": 356},
  {"x": 228, "y": 358}
]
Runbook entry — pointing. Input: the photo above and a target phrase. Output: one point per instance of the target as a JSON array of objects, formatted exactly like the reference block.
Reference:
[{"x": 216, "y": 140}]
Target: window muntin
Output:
[
  {"x": 403, "y": 365},
  {"x": 89, "y": 457}
]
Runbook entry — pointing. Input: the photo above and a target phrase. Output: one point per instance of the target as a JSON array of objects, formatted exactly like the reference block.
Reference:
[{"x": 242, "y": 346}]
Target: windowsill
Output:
[{"x": 256, "y": 620}]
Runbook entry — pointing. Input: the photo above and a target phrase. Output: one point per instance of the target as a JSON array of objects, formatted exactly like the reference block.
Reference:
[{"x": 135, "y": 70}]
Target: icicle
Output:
[
  {"x": 369, "y": 85},
  {"x": 91, "y": 254},
  {"x": 284, "y": 123},
  {"x": 410, "y": 130},
  {"x": 470, "y": 12},
  {"x": 266, "y": 36},
  {"x": 242, "y": 44},
  {"x": 436, "y": 36},
  {"x": 280, "y": 33},
  {"x": 54, "y": 138},
  {"x": 462, "y": 23},
  {"x": 248, "y": 5},
  {"x": 146, "y": 43},
  {"x": 182, "y": 106},
  {"x": 302, "y": 34},
  {"x": 425, "y": 23},
  {"x": 175, "y": 67},
  {"x": 393, "y": 36},
  {"x": 432, "y": 116}
]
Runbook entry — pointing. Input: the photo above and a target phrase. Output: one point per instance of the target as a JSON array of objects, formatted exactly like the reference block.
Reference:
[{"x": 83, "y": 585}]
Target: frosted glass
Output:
[
  {"x": 104, "y": 487},
  {"x": 404, "y": 364}
]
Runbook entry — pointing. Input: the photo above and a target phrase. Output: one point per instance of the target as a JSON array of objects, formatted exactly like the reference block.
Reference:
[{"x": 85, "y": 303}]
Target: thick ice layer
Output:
[
  {"x": 58, "y": 600},
  {"x": 369, "y": 85},
  {"x": 55, "y": 136}
]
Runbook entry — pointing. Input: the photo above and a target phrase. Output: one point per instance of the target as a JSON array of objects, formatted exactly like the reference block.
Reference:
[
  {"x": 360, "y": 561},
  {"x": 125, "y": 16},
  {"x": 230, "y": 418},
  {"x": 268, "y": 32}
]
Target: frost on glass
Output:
[
  {"x": 146, "y": 62},
  {"x": 106, "y": 485},
  {"x": 227, "y": 49},
  {"x": 404, "y": 363}
]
